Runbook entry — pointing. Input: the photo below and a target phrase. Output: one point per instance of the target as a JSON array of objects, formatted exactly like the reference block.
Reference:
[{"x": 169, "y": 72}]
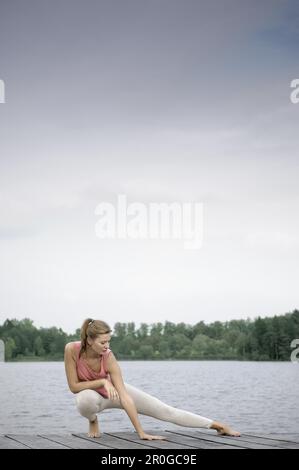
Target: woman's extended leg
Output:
[{"x": 151, "y": 406}]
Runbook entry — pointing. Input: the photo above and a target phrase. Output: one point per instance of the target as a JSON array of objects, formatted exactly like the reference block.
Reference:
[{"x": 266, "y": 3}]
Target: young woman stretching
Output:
[{"x": 94, "y": 375}]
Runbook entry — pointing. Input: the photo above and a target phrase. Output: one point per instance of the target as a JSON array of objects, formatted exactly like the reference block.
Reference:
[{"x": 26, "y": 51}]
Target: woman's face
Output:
[{"x": 100, "y": 344}]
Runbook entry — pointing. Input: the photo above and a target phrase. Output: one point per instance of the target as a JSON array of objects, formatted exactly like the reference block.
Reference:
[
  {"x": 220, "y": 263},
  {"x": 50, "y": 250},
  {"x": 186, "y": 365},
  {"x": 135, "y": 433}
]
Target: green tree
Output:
[
  {"x": 10, "y": 347},
  {"x": 38, "y": 346}
]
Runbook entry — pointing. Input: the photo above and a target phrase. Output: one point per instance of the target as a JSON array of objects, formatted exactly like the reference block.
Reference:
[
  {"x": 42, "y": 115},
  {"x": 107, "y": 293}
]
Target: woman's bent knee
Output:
[
  {"x": 87, "y": 402},
  {"x": 86, "y": 396}
]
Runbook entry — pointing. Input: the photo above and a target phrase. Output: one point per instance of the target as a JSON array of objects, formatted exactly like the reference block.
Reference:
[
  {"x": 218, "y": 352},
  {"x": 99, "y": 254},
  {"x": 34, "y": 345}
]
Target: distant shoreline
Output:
[
  {"x": 269, "y": 339},
  {"x": 51, "y": 359}
]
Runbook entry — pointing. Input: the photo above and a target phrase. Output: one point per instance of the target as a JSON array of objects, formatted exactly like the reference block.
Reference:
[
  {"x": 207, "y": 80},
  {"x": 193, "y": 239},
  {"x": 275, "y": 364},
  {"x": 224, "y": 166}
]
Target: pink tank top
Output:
[{"x": 85, "y": 373}]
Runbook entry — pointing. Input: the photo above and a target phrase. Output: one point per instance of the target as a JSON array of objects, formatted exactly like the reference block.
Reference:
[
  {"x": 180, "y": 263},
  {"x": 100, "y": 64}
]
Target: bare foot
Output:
[
  {"x": 225, "y": 430},
  {"x": 94, "y": 430}
]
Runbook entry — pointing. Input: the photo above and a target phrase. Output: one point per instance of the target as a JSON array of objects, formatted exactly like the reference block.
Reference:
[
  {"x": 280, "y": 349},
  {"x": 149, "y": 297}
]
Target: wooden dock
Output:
[{"x": 180, "y": 439}]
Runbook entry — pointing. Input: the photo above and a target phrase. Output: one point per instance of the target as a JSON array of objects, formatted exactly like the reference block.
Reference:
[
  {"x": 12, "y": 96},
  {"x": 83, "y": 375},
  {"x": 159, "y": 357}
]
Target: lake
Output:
[{"x": 259, "y": 397}]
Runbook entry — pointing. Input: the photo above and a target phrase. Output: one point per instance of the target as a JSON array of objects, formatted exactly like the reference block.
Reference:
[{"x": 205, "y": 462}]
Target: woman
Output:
[{"x": 94, "y": 375}]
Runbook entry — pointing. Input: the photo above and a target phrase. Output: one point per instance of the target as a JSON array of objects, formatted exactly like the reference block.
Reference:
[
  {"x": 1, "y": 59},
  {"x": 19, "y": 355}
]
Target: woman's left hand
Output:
[{"x": 149, "y": 437}]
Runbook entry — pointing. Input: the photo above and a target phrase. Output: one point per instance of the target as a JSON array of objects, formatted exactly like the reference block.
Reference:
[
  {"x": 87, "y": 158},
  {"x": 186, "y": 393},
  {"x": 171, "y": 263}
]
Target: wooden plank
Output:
[
  {"x": 196, "y": 443},
  {"x": 224, "y": 440},
  {"x": 112, "y": 441},
  {"x": 156, "y": 444},
  {"x": 7, "y": 443},
  {"x": 74, "y": 442},
  {"x": 35, "y": 442},
  {"x": 287, "y": 437},
  {"x": 130, "y": 440},
  {"x": 281, "y": 444},
  {"x": 261, "y": 440}
]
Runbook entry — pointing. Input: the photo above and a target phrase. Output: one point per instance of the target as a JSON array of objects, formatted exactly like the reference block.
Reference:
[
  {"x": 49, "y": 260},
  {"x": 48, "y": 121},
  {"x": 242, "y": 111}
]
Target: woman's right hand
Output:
[{"x": 111, "y": 390}]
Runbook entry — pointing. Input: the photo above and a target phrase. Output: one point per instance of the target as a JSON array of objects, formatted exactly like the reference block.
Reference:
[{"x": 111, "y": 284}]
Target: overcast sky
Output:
[{"x": 161, "y": 101}]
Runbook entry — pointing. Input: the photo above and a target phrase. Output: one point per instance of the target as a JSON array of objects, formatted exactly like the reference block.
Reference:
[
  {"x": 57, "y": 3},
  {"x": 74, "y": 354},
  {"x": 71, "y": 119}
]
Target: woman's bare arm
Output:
[
  {"x": 125, "y": 399},
  {"x": 71, "y": 373}
]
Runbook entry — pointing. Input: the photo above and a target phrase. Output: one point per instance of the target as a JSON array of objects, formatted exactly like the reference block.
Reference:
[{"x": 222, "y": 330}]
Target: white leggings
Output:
[{"x": 89, "y": 402}]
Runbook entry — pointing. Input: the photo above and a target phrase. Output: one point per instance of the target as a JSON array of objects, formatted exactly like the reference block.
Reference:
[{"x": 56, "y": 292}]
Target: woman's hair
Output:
[{"x": 92, "y": 328}]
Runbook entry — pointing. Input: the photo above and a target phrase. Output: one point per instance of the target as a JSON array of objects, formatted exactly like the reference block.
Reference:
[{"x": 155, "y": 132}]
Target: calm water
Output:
[{"x": 251, "y": 396}]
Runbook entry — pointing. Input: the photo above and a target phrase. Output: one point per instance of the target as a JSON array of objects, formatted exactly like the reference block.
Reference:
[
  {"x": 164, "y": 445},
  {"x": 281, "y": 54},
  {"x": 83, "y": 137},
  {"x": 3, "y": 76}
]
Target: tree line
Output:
[{"x": 261, "y": 339}]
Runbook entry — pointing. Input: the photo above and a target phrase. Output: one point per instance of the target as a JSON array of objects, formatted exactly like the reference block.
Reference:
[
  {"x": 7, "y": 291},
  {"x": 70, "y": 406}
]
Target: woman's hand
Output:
[
  {"x": 112, "y": 393},
  {"x": 149, "y": 437}
]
